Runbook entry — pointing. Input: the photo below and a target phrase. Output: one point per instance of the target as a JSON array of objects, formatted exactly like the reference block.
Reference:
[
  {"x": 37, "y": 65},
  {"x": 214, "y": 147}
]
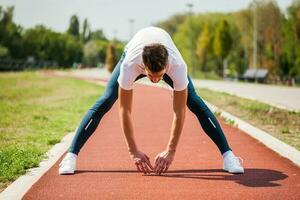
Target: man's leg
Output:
[
  {"x": 206, "y": 118},
  {"x": 93, "y": 116}
]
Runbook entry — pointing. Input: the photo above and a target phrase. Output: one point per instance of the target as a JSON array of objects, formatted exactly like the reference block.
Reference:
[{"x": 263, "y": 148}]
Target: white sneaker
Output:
[
  {"x": 233, "y": 164},
  {"x": 68, "y": 164}
]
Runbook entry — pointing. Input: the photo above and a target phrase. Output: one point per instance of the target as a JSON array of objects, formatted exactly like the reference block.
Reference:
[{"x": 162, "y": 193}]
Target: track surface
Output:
[{"x": 105, "y": 170}]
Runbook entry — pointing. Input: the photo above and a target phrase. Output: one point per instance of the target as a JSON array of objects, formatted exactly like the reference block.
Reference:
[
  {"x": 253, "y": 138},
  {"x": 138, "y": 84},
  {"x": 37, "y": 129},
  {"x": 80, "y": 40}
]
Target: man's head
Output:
[{"x": 155, "y": 58}]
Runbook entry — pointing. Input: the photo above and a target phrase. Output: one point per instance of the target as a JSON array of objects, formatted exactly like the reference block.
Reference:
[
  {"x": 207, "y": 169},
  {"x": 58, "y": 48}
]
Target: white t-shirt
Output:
[{"x": 132, "y": 65}]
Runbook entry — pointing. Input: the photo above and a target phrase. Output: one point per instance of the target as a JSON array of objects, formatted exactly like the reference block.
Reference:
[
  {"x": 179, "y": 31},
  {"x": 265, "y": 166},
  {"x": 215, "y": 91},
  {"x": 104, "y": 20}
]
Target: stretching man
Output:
[{"x": 152, "y": 53}]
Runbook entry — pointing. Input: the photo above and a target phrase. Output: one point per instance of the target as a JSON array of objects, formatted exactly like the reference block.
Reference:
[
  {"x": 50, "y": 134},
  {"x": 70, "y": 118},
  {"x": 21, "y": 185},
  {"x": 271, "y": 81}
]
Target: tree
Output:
[
  {"x": 222, "y": 43},
  {"x": 111, "y": 58},
  {"x": 269, "y": 40},
  {"x": 86, "y": 32},
  {"x": 3, "y": 52},
  {"x": 119, "y": 46},
  {"x": 290, "y": 59},
  {"x": 74, "y": 26},
  {"x": 10, "y": 33},
  {"x": 97, "y": 35},
  {"x": 94, "y": 52},
  {"x": 204, "y": 46},
  {"x": 44, "y": 44},
  {"x": 244, "y": 23},
  {"x": 183, "y": 37},
  {"x": 172, "y": 23}
]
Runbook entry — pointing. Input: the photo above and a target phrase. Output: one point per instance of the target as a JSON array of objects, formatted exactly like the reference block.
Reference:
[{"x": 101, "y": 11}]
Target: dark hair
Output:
[{"x": 155, "y": 57}]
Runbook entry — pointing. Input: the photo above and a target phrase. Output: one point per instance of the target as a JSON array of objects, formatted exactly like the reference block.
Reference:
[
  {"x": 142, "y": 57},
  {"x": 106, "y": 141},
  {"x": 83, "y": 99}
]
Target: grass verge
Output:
[
  {"x": 282, "y": 124},
  {"x": 36, "y": 112}
]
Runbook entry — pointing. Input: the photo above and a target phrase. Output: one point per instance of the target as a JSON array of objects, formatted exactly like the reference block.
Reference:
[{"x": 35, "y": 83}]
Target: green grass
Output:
[
  {"x": 36, "y": 112},
  {"x": 282, "y": 124}
]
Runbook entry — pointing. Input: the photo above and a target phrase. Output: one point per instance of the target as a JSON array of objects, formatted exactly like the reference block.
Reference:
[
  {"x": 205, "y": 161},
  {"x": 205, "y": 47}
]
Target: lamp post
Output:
[{"x": 190, "y": 6}]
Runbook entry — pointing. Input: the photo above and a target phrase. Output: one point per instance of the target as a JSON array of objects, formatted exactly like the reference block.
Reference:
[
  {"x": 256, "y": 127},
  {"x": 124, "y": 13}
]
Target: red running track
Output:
[{"x": 105, "y": 170}]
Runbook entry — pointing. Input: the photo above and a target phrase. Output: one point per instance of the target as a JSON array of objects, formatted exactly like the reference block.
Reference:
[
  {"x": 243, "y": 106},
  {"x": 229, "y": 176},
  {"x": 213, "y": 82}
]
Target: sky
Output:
[{"x": 113, "y": 16}]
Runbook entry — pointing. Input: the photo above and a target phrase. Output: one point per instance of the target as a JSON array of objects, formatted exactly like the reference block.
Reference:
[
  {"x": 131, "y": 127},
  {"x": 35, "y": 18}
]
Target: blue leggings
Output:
[{"x": 93, "y": 116}]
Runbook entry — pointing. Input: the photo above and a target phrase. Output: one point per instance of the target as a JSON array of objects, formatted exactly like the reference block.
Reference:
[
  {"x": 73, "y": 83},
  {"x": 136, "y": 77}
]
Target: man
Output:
[{"x": 152, "y": 53}]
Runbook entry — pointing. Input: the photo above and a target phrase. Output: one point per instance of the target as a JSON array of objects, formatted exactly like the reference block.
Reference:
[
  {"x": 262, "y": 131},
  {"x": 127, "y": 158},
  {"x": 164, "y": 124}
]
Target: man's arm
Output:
[
  {"x": 165, "y": 158},
  {"x": 125, "y": 108},
  {"x": 179, "y": 108},
  {"x": 140, "y": 159}
]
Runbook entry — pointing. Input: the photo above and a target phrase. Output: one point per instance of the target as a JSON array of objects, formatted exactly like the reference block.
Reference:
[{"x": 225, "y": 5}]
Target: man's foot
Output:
[
  {"x": 68, "y": 164},
  {"x": 232, "y": 164}
]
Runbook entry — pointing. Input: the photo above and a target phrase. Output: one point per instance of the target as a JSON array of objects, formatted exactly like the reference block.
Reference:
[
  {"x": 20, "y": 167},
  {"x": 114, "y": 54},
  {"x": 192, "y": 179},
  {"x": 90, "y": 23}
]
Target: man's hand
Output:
[
  {"x": 142, "y": 162},
  {"x": 163, "y": 160}
]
